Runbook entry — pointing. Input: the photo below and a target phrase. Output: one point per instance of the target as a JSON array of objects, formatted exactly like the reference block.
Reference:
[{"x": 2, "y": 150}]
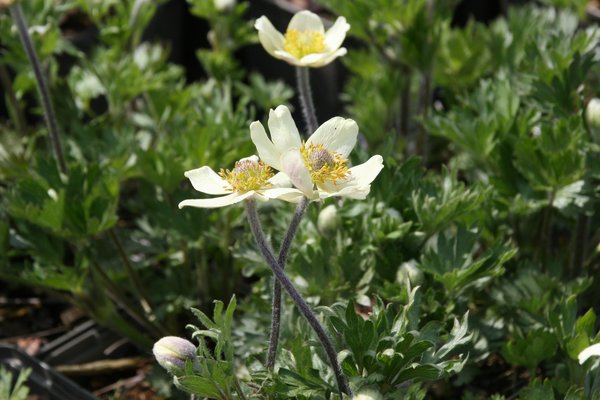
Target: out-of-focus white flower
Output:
[
  {"x": 305, "y": 43},
  {"x": 317, "y": 167},
  {"x": 591, "y": 351},
  {"x": 250, "y": 178},
  {"x": 222, "y": 5},
  {"x": 368, "y": 394}
]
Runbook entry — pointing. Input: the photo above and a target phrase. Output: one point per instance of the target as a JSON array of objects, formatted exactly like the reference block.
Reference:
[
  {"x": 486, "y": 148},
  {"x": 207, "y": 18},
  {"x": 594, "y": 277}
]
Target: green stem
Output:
[
  {"x": 297, "y": 298},
  {"x": 306, "y": 100},
  {"x": 284, "y": 252},
  {"x": 138, "y": 287},
  {"x": 49, "y": 115}
]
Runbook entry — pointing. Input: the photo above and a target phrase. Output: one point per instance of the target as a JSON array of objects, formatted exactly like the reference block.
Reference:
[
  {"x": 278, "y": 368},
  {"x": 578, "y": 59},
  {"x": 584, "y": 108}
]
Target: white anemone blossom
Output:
[
  {"x": 319, "y": 166},
  {"x": 590, "y": 351},
  {"x": 305, "y": 43},
  {"x": 249, "y": 179}
]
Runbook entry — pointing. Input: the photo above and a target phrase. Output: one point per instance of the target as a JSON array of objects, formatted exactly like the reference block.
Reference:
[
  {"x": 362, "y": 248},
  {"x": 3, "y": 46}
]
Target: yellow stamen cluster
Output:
[
  {"x": 324, "y": 165},
  {"x": 301, "y": 43},
  {"x": 248, "y": 175}
]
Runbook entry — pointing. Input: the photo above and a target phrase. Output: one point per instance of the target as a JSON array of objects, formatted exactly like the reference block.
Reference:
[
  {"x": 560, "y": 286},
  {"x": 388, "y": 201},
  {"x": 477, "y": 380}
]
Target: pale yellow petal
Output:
[
  {"x": 337, "y": 134},
  {"x": 334, "y": 37},
  {"x": 306, "y": 21},
  {"x": 265, "y": 148},
  {"x": 284, "y": 132},
  {"x": 293, "y": 165},
  {"x": 270, "y": 38},
  {"x": 207, "y": 181},
  {"x": 217, "y": 202}
]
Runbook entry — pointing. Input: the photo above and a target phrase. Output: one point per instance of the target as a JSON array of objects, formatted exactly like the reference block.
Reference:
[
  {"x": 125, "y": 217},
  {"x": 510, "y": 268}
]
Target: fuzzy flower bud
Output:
[
  {"x": 172, "y": 352},
  {"x": 592, "y": 117},
  {"x": 328, "y": 220},
  {"x": 368, "y": 394},
  {"x": 408, "y": 271}
]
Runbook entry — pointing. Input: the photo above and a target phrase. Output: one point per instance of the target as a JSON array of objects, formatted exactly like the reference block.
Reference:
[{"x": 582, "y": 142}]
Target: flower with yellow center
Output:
[
  {"x": 318, "y": 167},
  {"x": 249, "y": 179},
  {"x": 305, "y": 43}
]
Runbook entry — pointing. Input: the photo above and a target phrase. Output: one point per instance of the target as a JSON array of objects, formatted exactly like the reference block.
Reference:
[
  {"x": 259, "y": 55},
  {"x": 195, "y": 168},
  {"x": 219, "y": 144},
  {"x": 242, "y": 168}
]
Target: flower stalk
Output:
[
  {"x": 306, "y": 99},
  {"x": 302, "y": 305},
  {"x": 17, "y": 15},
  {"x": 284, "y": 252}
]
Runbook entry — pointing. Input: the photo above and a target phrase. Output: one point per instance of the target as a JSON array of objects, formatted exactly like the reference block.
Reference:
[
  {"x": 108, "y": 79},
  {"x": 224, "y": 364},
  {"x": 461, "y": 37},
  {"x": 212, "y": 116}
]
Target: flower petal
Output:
[
  {"x": 292, "y": 195},
  {"x": 284, "y": 132},
  {"x": 593, "y": 350},
  {"x": 270, "y": 38},
  {"x": 337, "y": 134},
  {"x": 328, "y": 58},
  {"x": 334, "y": 37},
  {"x": 292, "y": 164},
  {"x": 280, "y": 180},
  {"x": 366, "y": 172},
  {"x": 216, "y": 202},
  {"x": 207, "y": 181},
  {"x": 265, "y": 148},
  {"x": 358, "y": 185},
  {"x": 287, "y": 57},
  {"x": 306, "y": 21}
]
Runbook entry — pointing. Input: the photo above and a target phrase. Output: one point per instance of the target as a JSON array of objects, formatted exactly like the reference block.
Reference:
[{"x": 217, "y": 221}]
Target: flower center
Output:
[
  {"x": 301, "y": 43},
  {"x": 324, "y": 165},
  {"x": 248, "y": 175}
]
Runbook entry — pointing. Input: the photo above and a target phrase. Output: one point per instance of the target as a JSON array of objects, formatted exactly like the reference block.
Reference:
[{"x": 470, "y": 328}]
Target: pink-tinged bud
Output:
[
  {"x": 172, "y": 352},
  {"x": 6, "y": 3}
]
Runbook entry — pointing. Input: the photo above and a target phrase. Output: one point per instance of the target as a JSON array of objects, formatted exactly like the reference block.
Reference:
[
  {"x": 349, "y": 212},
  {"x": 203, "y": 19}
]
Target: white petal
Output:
[
  {"x": 334, "y": 37},
  {"x": 207, "y": 181},
  {"x": 306, "y": 21},
  {"x": 280, "y": 180},
  {"x": 593, "y": 350},
  {"x": 265, "y": 148},
  {"x": 270, "y": 38},
  {"x": 216, "y": 202},
  {"x": 366, "y": 173},
  {"x": 286, "y": 194},
  {"x": 284, "y": 132},
  {"x": 358, "y": 184},
  {"x": 313, "y": 59},
  {"x": 292, "y": 164},
  {"x": 287, "y": 57},
  {"x": 321, "y": 62},
  {"x": 337, "y": 134}
]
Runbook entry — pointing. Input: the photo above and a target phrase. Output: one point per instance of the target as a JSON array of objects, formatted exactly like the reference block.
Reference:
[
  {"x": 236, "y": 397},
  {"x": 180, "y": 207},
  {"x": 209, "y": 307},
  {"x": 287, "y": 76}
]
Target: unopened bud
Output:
[
  {"x": 222, "y": 5},
  {"x": 408, "y": 271},
  {"x": 368, "y": 394},
  {"x": 328, "y": 220},
  {"x": 172, "y": 352},
  {"x": 592, "y": 117}
]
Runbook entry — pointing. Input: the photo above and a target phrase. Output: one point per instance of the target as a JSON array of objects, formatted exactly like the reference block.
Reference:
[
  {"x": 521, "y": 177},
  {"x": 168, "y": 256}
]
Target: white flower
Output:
[
  {"x": 591, "y": 351},
  {"x": 305, "y": 43},
  {"x": 250, "y": 178},
  {"x": 222, "y": 5},
  {"x": 318, "y": 167}
]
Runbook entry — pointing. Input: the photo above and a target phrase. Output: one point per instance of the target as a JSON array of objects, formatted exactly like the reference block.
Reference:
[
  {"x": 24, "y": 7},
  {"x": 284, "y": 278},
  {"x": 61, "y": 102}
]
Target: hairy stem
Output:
[
  {"x": 17, "y": 14},
  {"x": 302, "y": 305},
  {"x": 284, "y": 251},
  {"x": 306, "y": 100}
]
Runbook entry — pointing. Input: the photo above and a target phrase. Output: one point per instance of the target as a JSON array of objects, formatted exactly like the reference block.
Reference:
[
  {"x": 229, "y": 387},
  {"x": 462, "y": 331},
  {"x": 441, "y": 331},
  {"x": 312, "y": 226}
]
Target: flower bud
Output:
[
  {"x": 172, "y": 352},
  {"x": 328, "y": 220},
  {"x": 222, "y": 5},
  {"x": 368, "y": 394},
  {"x": 408, "y": 271},
  {"x": 592, "y": 117},
  {"x": 6, "y": 3}
]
